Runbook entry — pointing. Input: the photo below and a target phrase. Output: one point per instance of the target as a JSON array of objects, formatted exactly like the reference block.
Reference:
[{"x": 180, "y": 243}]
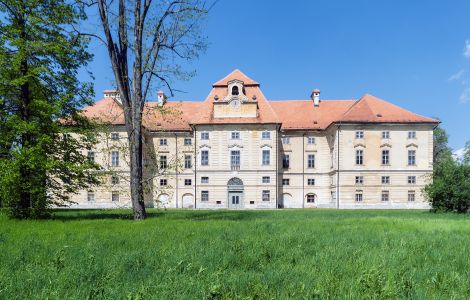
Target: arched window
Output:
[
  {"x": 235, "y": 181},
  {"x": 235, "y": 91},
  {"x": 311, "y": 198}
]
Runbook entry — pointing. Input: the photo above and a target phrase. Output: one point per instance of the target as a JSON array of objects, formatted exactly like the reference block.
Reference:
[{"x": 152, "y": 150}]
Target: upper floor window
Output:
[
  {"x": 204, "y": 179},
  {"x": 235, "y": 91},
  {"x": 163, "y": 142},
  {"x": 411, "y": 134},
  {"x": 266, "y": 179},
  {"x": 311, "y": 181},
  {"x": 359, "y": 157},
  {"x": 115, "y": 158},
  {"x": 187, "y": 182},
  {"x": 114, "y": 136},
  {"x": 91, "y": 156},
  {"x": 204, "y": 135},
  {"x": 285, "y": 181},
  {"x": 114, "y": 179},
  {"x": 385, "y": 157},
  {"x": 385, "y": 196},
  {"x": 188, "y": 161},
  {"x": 385, "y": 179},
  {"x": 187, "y": 141},
  {"x": 311, "y": 140},
  {"x": 358, "y": 196},
  {"x": 204, "y": 158},
  {"x": 359, "y": 134},
  {"x": 411, "y": 157},
  {"x": 285, "y": 161},
  {"x": 311, "y": 161},
  {"x": 163, "y": 162},
  {"x": 411, "y": 179},
  {"x": 163, "y": 182},
  {"x": 385, "y": 134},
  {"x": 235, "y": 159},
  {"x": 266, "y": 159},
  {"x": 359, "y": 180},
  {"x": 266, "y": 135},
  {"x": 235, "y": 135},
  {"x": 285, "y": 140}
]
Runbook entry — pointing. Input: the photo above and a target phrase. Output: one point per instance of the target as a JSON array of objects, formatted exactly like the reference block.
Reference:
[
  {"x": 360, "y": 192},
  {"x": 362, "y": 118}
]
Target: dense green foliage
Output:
[
  {"x": 450, "y": 186},
  {"x": 40, "y": 96},
  {"x": 281, "y": 254}
]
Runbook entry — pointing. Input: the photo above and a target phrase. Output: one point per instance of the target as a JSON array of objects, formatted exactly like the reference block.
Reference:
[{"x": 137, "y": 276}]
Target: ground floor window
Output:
[
  {"x": 266, "y": 195},
  {"x": 358, "y": 196},
  {"x": 411, "y": 196},
  {"x": 385, "y": 196},
  {"x": 204, "y": 195},
  {"x": 114, "y": 179},
  {"x": 311, "y": 198},
  {"x": 115, "y": 196},
  {"x": 91, "y": 196}
]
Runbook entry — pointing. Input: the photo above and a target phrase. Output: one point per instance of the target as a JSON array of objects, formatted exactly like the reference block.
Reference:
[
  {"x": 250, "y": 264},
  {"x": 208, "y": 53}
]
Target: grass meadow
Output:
[{"x": 301, "y": 254}]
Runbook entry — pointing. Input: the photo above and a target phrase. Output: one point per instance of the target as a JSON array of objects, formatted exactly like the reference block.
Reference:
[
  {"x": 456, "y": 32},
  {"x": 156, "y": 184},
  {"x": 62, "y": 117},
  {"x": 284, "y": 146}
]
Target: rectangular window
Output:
[
  {"x": 187, "y": 182},
  {"x": 235, "y": 135},
  {"x": 266, "y": 157},
  {"x": 385, "y": 135},
  {"x": 311, "y": 181},
  {"x": 163, "y": 142},
  {"x": 115, "y": 196},
  {"x": 385, "y": 196},
  {"x": 266, "y": 135},
  {"x": 115, "y": 158},
  {"x": 204, "y": 158},
  {"x": 163, "y": 162},
  {"x": 235, "y": 159},
  {"x": 285, "y": 140},
  {"x": 205, "y": 196},
  {"x": 163, "y": 182},
  {"x": 114, "y": 136},
  {"x": 204, "y": 179},
  {"x": 204, "y": 135},
  {"x": 285, "y": 161},
  {"x": 114, "y": 179},
  {"x": 411, "y": 134},
  {"x": 358, "y": 196},
  {"x": 385, "y": 157},
  {"x": 90, "y": 196},
  {"x": 285, "y": 181},
  {"x": 411, "y": 157},
  {"x": 188, "y": 161},
  {"x": 266, "y": 195},
  {"x": 91, "y": 156},
  {"x": 359, "y": 134},
  {"x": 310, "y": 198},
  {"x": 411, "y": 179},
  {"x": 385, "y": 179},
  {"x": 359, "y": 180},
  {"x": 266, "y": 179},
  {"x": 187, "y": 141},
  {"x": 311, "y": 140},
  {"x": 359, "y": 157},
  {"x": 311, "y": 161},
  {"x": 411, "y": 196}
]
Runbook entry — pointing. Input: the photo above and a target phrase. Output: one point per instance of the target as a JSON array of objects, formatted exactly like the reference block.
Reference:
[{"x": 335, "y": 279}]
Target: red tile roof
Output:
[{"x": 292, "y": 114}]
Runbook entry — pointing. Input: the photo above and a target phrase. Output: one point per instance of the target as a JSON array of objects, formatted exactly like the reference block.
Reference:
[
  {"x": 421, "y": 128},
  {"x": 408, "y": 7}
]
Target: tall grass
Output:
[{"x": 324, "y": 254}]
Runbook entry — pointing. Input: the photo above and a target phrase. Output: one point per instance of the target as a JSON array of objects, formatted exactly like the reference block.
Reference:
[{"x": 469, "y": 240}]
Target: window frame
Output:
[
  {"x": 385, "y": 196},
  {"x": 204, "y": 179},
  {"x": 115, "y": 136},
  {"x": 359, "y": 196},
  {"x": 115, "y": 194},
  {"x": 285, "y": 161},
  {"x": 385, "y": 157},
  {"x": 188, "y": 180},
  {"x": 264, "y": 194},
  {"x": 114, "y": 158},
  {"x": 235, "y": 135},
  {"x": 311, "y": 181},
  {"x": 204, "y": 196},
  {"x": 411, "y": 179},
  {"x": 90, "y": 196},
  {"x": 359, "y": 157},
  {"x": 311, "y": 140},
  {"x": 163, "y": 142},
  {"x": 205, "y": 135},
  {"x": 385, "y": 135},
  {"x": 308, "y": 198},
  {"x": 163, "y": 162},
  {"x": 285, "y": 181},
  {"x": 187, "y": 141},
  {"x": 411, "y": 157},
  {"x": 266, "y": 157},
  {"x": 387, "y": 181},
  {"x": 266, "y": 181},
  {"x": 204, "y": 157},
  {"x": 359, "y": 180},
  {"x": 268, "y": 133},
  {"x": 311, "y": 161},
  {"x": 359, "y": 134},
  {"x": 163, "y": 182},
  {"x": 412, "y": 134},
  {"x": 411, "y": 196}
]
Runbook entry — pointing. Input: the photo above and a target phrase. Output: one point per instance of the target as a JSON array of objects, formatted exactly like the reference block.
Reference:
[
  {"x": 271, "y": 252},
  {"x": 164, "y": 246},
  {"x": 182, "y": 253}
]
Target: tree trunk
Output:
[{"x": 136, "y": 172}]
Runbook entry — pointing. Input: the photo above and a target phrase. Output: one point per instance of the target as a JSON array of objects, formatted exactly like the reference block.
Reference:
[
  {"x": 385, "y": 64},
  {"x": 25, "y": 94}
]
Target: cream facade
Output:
[{"x": 237, "y": 150}]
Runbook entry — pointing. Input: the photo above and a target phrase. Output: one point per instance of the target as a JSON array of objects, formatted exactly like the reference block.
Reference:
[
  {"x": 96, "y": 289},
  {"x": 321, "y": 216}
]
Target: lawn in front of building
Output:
[{"x": 237, "y": 254}]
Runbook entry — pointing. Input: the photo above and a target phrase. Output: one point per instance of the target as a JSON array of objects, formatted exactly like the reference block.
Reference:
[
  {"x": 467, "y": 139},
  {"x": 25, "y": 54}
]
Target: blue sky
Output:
[{"x": 411, "y": 53}]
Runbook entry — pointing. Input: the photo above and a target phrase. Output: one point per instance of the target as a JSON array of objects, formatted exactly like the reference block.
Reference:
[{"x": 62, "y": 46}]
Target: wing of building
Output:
[{"x": 237, "y": 149}]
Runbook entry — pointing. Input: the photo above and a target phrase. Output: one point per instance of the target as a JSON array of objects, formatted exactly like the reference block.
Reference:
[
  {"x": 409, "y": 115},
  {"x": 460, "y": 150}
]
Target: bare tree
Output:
[{"x": 156, "y": 38}]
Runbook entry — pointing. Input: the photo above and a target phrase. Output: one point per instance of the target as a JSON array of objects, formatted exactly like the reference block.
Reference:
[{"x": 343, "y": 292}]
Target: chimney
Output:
[
  {"x": 161, "y": 98},
  {"x": 315, "y": 97}
]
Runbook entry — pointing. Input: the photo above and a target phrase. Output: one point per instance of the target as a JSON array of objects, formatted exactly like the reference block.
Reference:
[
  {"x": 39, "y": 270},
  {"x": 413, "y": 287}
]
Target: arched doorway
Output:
[
  {"x": 188, "y": 201},
  {"x": 163, "y": 200},
  {"x": 235, "y": 193},
  {"x": 287, "y": 201}
]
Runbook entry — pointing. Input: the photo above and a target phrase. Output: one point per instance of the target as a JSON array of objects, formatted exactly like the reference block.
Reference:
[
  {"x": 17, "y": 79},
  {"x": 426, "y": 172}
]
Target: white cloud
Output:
[
  {"x": 465, "y": 96},
  {"x": 456, "y": 76},
  {"x": 466, "y": 50},
  {"x": 458, "y": 154}
]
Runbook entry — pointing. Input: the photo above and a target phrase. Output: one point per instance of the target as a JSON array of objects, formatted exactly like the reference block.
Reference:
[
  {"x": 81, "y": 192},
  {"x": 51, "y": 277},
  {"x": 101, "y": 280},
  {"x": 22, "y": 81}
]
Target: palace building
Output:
[{"x": 237, "y": 149}]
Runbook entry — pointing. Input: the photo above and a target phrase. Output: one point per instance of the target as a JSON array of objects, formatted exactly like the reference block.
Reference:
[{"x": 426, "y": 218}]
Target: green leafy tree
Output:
[
  {"x": 441, "y": 150},
  {"x": 42, "y": 132}
]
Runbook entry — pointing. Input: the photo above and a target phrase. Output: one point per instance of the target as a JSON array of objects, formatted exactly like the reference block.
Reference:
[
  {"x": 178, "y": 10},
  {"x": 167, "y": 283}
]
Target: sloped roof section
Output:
[
  {"x": 370, "y": 109},
  {"x": 106, "y": 110},
  {"x": 236, "y": 74}
]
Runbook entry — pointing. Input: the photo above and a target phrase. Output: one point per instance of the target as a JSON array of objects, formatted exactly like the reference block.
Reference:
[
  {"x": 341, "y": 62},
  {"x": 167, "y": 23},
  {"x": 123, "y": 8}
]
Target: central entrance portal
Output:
[{"x": 235, "y": 193}]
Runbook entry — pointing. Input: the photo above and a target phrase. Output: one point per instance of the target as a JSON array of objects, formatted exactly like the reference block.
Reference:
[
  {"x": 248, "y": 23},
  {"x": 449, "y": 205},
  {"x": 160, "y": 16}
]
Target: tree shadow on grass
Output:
[{"x": 96, "y": 214}]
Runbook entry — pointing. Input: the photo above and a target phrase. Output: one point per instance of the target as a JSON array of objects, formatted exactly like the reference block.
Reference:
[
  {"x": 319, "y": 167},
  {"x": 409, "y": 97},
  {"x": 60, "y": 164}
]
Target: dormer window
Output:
[{"x": 235, "y": 91}]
